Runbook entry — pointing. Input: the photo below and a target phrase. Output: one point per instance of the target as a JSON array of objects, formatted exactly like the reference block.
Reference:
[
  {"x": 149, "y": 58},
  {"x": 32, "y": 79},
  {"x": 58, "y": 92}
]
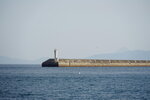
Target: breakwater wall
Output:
[{"x": 93, "y": 63}]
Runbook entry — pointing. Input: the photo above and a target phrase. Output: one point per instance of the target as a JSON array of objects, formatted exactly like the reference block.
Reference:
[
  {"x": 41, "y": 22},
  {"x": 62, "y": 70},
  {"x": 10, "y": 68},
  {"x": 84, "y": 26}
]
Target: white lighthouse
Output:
[{"x": 56, "y": 54}]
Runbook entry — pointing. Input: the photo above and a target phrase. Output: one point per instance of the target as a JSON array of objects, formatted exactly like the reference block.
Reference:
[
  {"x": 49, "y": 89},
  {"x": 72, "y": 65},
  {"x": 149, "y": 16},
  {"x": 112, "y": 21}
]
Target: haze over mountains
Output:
[
  {"x": 124, "y": 55},
  {"x": 121, "y": 55},
  {"x": 7, "y": 60}
]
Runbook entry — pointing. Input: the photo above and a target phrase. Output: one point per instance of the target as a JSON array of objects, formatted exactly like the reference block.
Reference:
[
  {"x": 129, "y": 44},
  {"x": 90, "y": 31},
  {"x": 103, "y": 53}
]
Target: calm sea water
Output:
[{"x": 32, "y": 82}]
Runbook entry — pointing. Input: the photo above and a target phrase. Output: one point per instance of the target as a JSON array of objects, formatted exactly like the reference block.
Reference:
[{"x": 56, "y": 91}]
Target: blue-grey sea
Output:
[{"x": 33, "y": 82}]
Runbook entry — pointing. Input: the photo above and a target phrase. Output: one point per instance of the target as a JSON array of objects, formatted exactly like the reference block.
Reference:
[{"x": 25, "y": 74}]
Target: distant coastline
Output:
[{"x": 128, "y": 54}]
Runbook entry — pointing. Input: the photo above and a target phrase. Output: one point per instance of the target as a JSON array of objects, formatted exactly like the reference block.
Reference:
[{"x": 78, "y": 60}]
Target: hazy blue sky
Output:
[{"x": 31, "y": 29}]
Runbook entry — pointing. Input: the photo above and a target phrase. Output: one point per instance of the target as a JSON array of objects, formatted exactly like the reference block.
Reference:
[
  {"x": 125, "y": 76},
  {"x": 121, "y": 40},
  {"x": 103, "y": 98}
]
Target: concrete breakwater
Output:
[{"x": 93, "y": 63}]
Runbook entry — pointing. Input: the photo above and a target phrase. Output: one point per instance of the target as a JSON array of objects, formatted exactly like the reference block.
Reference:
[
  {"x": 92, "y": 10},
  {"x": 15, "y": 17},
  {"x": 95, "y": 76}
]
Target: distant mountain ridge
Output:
[
  {"x": 124, "y": 55},
  {"x": 7, "y": 60},
  {"x": 121, "y": 55}
]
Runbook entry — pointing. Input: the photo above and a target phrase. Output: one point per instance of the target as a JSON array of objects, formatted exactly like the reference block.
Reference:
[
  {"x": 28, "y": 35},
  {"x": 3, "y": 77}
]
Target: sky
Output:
[{"x": 32, "y": 29}]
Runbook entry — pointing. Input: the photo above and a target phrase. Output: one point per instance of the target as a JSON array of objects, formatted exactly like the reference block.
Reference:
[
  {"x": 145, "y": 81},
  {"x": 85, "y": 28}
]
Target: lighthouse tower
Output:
[{"x": 56, "y": 55}]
